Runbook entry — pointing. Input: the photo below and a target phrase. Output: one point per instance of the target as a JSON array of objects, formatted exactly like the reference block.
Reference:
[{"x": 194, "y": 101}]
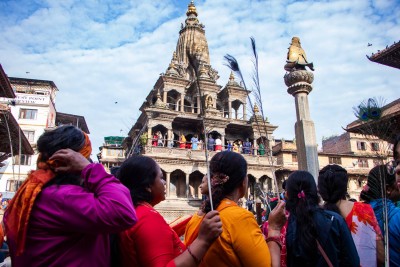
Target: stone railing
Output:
[{"x": 188, "y": 154}]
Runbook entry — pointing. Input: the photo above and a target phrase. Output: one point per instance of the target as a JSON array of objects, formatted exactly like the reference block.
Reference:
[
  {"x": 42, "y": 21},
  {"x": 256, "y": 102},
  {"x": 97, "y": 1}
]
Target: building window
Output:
[
  {"x": 115, "y": 152},
  {"x": 374, "y": 146},
  {"x": 294, "y": 157},
  {"x": 13, "y": 185},
  {"x": 30, "y": 135},
  {"x": 361, "y": 145},
  {"x": 22, "y": 160},
  {"x": 335, "y": 160},
  {"x": 29, "y": 114},
  {"x": 363, "y": 163}
]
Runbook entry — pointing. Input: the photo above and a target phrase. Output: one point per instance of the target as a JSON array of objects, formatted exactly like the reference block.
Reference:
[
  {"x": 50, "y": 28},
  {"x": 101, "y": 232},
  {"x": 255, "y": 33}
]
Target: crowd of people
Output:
[
  {"x": 214, "y": 144},
  {"x": 71, "y": 212}
]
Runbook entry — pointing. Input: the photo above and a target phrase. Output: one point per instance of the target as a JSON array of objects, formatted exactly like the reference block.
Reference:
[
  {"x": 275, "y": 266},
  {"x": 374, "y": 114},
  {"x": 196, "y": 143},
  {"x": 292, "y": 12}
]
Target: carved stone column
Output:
[
  {"x": 244, "y": 112},
  {"x": 230, "y": 109},
  {"x": 182, "y": 102},
  {"x": 149, "y": 135},
  {"x": 165, "y": 97},
  {"x": 299, "y": 85},
  {"x": 187, "y": 185},
  {"x": 170, "y": 137},
  {"x": 198, "y": 104}
]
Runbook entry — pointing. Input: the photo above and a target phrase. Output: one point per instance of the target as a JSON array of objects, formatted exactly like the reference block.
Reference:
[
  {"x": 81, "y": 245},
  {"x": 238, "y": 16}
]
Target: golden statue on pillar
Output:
[{"x": 296, "y": 57}]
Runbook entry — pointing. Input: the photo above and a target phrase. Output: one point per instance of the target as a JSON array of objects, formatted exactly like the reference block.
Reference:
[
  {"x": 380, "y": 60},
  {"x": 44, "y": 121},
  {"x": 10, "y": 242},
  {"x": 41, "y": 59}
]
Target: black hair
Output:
[
  {"x": 137, "y": 173},
  {"x": 222, "y": 164},
  {"x": 62, "y": 137},
  {"x": 302, "y": 203},
  {"x": 332, "y": 185},
  {"x": 378, "y": 177}
]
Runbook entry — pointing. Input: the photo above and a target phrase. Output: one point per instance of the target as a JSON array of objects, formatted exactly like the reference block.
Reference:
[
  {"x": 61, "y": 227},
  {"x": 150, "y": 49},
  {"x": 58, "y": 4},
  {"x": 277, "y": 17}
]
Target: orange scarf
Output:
[
  {"x": 20, "y": 207},
  {"x": 179, "y": 224}
]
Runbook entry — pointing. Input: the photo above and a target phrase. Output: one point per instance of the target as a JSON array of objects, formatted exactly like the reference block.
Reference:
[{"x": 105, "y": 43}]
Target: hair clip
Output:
[
  {"x": 219, "y": 179},
  {"x": 301, "y": 194}
]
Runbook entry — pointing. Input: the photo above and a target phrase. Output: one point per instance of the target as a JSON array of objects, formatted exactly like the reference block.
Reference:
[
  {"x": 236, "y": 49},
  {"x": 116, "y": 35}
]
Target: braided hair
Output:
[
  {"x": 378, "y": 179},
  {"x": 302, "y": 203},
  {"x": 228, "y": 171},
  {"x": 332, "y": 186}
]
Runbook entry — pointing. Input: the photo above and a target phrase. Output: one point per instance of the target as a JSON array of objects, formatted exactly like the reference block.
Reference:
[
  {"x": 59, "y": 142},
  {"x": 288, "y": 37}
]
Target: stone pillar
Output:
[
  {"x": 244, "y": 112},
  {"x": 182, "y": 102},
  {"x": 255, "y": 146},
  {"x": 149, "y": 136},
  {"x": 170, "y": 137},
  {"x": 168, "y": 181},
  {"x": 299, "y": 85},
  {"x": 236, "y": 113},
  {"x": 192, "y": 107},
  {"x": 187, "y": 185},
  {"x": 198, "y": 104},
  {"x": 165, "y": 97},
  {"x": 230, "y": 109},
  {"x": 223, "y": 141}
]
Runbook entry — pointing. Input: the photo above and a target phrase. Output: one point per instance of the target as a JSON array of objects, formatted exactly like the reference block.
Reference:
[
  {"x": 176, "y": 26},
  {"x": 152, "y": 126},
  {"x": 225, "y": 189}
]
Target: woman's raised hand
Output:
[
  {"x": 68, "y": 160},
  {"x": 211, "y": 227},
  {"x": 277, "y": 217}
]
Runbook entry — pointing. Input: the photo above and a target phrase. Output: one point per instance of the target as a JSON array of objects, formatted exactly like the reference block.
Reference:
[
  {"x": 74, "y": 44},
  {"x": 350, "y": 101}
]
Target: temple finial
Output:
[
  {"x": 256, "y": 110},
  {"x": 232, "y": 77},
  {"x": 191, "y": 9}
]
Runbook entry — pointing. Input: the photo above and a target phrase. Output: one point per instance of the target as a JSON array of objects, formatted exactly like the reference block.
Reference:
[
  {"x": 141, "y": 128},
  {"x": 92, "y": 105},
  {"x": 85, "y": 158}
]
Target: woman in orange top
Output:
[{"x": 241, "y": 242}]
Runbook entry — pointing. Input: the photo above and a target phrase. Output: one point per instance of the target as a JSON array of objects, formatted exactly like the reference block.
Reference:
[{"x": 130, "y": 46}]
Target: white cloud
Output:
[{"x": 100, "y": 52}]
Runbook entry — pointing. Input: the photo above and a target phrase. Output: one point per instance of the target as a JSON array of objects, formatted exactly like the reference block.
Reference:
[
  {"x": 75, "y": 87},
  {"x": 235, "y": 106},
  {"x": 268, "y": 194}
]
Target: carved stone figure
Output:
[{"x": 209, "y": 101}]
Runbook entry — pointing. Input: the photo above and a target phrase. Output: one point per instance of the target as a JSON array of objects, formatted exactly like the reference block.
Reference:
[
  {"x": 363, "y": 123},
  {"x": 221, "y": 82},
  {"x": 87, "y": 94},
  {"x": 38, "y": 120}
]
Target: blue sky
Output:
[{"x": 99, "y": 52}]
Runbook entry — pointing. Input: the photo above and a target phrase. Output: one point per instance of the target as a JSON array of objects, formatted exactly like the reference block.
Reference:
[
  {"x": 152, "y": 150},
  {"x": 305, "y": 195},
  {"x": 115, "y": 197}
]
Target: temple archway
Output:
[
  {"x": 187, "y": 106},
  {"x": 237, "y": 114},
  {"x": 194, "y": 184},
  {"x": 178, "y": 184},
  {"x": 173, "y": 97},
  {"x": 251, "y": 185},
  {"x": 158, "y": 128},
  {"x": 264, "y": 183}
]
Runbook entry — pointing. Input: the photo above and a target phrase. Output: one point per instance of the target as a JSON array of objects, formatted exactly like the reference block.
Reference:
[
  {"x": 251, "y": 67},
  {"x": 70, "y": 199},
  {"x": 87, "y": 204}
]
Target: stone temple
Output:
[
  {"x": 187, "y": 105},
  {"x": 182, "y": 99}
]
